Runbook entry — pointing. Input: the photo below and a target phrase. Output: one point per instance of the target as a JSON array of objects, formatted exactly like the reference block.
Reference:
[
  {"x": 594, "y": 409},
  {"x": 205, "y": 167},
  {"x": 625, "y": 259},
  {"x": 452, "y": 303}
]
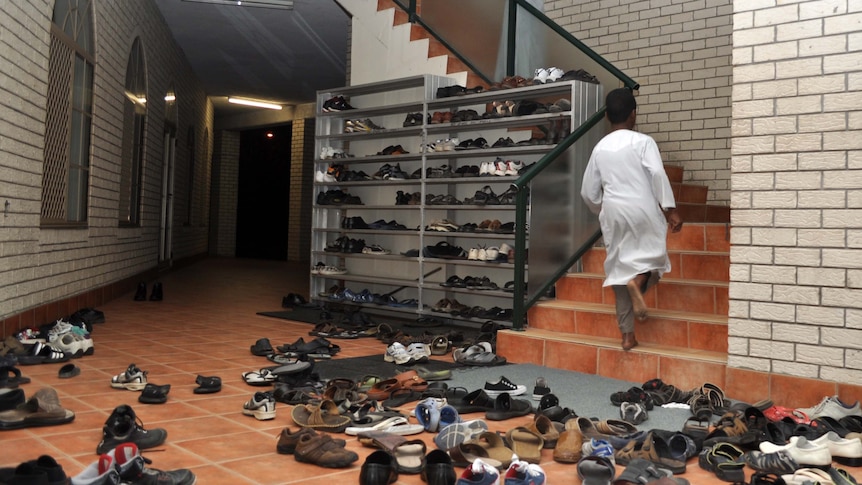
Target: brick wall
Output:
[
  {"x": 225, "y": 193},
  {"x": 301, "y": 189},
  {"x": 679, "y": 51},
  {"x": 41, "y": 267},
  {"x": 796, "y": 291}
]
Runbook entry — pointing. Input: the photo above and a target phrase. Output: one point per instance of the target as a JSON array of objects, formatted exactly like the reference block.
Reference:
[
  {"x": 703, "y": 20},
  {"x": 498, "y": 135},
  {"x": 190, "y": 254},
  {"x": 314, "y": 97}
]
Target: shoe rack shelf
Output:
[{"x": 388, "y": 104}]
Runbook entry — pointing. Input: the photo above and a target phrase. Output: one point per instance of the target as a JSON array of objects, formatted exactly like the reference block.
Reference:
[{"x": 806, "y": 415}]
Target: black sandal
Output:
[
  {"x": 207, "y": 385},
  {"x": 155, "y": 394}
]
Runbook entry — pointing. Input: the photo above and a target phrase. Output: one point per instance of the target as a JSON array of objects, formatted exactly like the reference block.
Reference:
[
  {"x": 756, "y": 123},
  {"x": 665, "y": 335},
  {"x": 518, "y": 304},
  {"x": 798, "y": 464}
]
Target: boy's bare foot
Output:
[
  {"x": 637, "y": 297},
  {"x": 629, "y": 341}
]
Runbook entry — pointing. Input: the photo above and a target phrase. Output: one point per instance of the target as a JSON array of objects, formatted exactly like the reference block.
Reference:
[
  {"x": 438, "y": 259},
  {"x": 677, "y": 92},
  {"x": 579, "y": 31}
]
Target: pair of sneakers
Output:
[
  {"x": 518, "y": 473},
  {"x": 415, "y": 353},
  {"x": 125, "y": 463}
]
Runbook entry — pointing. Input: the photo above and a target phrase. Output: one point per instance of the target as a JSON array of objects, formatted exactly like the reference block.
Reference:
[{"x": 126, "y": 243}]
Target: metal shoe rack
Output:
[{"x": 417, "y": 277}]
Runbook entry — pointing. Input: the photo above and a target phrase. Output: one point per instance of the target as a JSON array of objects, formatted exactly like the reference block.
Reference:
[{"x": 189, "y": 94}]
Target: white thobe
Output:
[{"x": 626, "y": 185}]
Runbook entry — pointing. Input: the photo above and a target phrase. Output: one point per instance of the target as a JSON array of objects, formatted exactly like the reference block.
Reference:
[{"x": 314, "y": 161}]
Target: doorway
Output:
[{"x": 263, "y": 193}]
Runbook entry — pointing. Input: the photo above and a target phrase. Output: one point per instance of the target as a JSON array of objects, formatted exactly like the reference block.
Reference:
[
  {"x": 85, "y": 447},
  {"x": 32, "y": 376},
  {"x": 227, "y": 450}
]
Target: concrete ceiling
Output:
[{"x": 280, "y": 55}]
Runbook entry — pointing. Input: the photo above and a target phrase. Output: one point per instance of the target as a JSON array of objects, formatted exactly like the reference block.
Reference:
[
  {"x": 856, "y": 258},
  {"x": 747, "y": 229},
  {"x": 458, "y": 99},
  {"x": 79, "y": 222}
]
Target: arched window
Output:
[
  {"x": 134, "y": 123},
  {"x": 69, "y": 113}
]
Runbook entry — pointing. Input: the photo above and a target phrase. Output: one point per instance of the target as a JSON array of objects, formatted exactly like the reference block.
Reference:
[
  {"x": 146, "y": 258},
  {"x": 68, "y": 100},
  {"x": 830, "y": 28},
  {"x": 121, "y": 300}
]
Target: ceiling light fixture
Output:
[
  {"x": 278, "y": 4},
  {"x": 251, "y": 102}
]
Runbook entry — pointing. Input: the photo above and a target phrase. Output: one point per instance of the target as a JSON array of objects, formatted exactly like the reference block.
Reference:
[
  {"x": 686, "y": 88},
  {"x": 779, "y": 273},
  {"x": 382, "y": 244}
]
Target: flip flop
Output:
[
  {"x": 410, "y": 456},
  {"x": 376, "y": 426},
  {"x": 263, "y": 377},
  {"x": 596, "y": 470},
  {"x": 154, "y": 394},
  {"x": 68, "y": 371},
  {"x": 526, "y": 444}
]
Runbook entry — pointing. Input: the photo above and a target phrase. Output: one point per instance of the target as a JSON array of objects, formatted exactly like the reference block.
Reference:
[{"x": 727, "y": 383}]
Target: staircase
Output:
[{"x": 684, "y": 342}]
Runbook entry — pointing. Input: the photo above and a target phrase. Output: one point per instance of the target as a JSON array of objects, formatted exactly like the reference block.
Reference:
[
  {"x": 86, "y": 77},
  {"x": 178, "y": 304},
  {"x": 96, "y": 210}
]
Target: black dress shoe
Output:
[
  {"x": 379, "y": 468},
  {"x": 141, "y": 294},
  {"x": 157, "y": 294},
  {"x": 438, "y": 469}
]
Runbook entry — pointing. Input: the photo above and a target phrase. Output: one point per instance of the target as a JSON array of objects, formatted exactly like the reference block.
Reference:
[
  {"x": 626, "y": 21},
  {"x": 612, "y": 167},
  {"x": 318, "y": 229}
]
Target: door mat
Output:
[{"x": 355, "y": 368}]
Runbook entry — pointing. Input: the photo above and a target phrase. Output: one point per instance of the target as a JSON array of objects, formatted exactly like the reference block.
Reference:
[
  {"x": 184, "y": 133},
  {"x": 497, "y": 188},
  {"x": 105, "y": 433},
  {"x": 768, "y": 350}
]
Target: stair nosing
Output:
[
  {"x": 678, "y": 281},
  {"x": 614, "y": 344},
  {"x": 654, "y": 312}
]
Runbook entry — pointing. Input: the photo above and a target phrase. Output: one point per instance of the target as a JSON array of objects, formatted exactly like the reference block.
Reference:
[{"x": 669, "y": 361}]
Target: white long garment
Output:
[{"x": 626, "y": 185}]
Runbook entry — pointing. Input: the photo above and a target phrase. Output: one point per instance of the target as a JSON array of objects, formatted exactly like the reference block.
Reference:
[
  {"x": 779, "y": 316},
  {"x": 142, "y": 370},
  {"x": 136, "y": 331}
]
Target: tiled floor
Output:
[{"x": 205, "y": 325}]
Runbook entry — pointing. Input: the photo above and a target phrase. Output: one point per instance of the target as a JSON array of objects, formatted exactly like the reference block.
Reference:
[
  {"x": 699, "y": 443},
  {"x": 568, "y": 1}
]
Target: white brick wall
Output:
[
  {"x": 796, "y": 85},
  {"x": 680, "y": 53},
  {"x": 40, "y": 265}
]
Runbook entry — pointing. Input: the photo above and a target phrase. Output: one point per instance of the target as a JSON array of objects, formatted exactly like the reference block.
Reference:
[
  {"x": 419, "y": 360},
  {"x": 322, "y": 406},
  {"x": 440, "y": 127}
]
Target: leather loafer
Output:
[
  {"x": 438, "y": 469},
  {"x": 380, "y": 468}
]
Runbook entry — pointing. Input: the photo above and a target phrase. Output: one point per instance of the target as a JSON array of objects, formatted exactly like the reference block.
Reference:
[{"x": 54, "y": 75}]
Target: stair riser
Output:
[
  {"x": 689, "y": 334},
  {"x": 711, "y": 299},
  {"x": 520, "y": 347},
  {"x": 695, "y": 194}
]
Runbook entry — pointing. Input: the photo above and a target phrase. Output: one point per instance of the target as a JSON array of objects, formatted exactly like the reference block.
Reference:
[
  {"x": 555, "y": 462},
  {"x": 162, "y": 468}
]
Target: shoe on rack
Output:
[
  {"x": 261, "y": 406},
  {"x": 124, "y": 426},
  {"x": 133, "y": 469},
  {"x": 133, "y": 379}
]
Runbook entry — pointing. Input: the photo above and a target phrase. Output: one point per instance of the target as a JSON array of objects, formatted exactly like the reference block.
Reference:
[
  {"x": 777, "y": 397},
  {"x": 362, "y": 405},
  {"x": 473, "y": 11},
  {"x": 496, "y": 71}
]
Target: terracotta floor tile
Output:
[{"x": 205, "y": 326}]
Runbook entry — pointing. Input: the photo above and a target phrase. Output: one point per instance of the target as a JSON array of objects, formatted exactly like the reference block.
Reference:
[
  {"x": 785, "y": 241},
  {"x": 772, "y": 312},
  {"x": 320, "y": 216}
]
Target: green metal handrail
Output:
[{"x": 520, "y": 303}]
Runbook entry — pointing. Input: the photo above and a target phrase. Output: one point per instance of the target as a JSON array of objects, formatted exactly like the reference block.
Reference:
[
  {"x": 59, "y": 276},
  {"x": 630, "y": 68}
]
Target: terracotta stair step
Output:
[
  {"x": 674, "y": 173},
  {"x": 680, "y": 315},
  {"x": 689, "y": 193},
  {"x": 685, "y": 368},
  {"x": 685, "y": 265},
  {"x": 587, "y": 285},
  {"x": 703, "y": 212},
  {"x": 673, "y": 328}
]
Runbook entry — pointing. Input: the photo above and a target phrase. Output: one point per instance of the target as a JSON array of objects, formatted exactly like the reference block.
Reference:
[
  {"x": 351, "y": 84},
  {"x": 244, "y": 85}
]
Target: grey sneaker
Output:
[
  {"x": 123, "y": 426},
  {"x": 133, "y": 469},
  {"x": 832, "y": 407}
]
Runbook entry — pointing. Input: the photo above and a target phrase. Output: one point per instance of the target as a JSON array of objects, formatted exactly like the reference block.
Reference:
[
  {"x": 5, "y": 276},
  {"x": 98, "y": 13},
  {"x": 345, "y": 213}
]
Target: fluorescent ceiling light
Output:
[
  {"x": 170, "y": 97},
  {"x": 251, "y": 102},
  {"x": 279, "y": 4}
]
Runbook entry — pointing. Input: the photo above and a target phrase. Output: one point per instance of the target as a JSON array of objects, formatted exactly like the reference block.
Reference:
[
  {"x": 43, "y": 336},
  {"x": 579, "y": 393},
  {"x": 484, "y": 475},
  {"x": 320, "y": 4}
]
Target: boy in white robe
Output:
[{"x": 626, "y": 185}]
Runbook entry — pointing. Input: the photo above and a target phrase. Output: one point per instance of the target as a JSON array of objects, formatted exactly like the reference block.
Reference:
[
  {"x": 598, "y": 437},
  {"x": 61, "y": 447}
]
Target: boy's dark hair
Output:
[{"x": 620, "y": 102}]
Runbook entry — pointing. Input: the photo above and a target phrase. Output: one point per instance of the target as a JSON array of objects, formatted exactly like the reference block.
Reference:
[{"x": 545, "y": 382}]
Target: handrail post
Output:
[
  {"x": 519, "y": 310},
  {"x": 510, "y": 38},
  {"x": 411, "y": 12}
]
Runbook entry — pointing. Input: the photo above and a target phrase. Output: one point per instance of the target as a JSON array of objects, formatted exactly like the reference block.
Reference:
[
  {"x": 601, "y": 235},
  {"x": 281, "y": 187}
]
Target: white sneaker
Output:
[
  {"x": 491, "y": 254},
  {"x": 261, "y": 406},
  {"x": 541, "y": 75},
  {"x": 833, "y": 408},
  {"x": 486, "y": 168},
  {"x": 554, "y": 73},
  {"x": 500, "y": 168},
  {"x": 419, "y": 352},
  {"x": 397, "y": 353},
  {"x": 68, "y": 344},
  {"x": 514, "y": 167},
  {"x": 324, "y": 178},
  {"x": 133, "y": 379},
  {"x": 473, "y": 255},
  {"x": 805, "y": 453}
]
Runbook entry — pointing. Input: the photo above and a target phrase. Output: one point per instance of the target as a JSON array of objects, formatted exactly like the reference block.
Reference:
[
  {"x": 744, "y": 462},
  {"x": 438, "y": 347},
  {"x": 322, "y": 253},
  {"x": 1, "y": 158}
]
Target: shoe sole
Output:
[
  {"x": 453, "y": 435},
  {"x": 129, "y": 386},
  {"x": 259, "y": 415},
  {"x": 516, "y": 392}
]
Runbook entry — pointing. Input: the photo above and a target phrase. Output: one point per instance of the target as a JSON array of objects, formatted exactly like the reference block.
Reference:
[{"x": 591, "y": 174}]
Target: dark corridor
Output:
[{"x": 263, "y": 193}]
